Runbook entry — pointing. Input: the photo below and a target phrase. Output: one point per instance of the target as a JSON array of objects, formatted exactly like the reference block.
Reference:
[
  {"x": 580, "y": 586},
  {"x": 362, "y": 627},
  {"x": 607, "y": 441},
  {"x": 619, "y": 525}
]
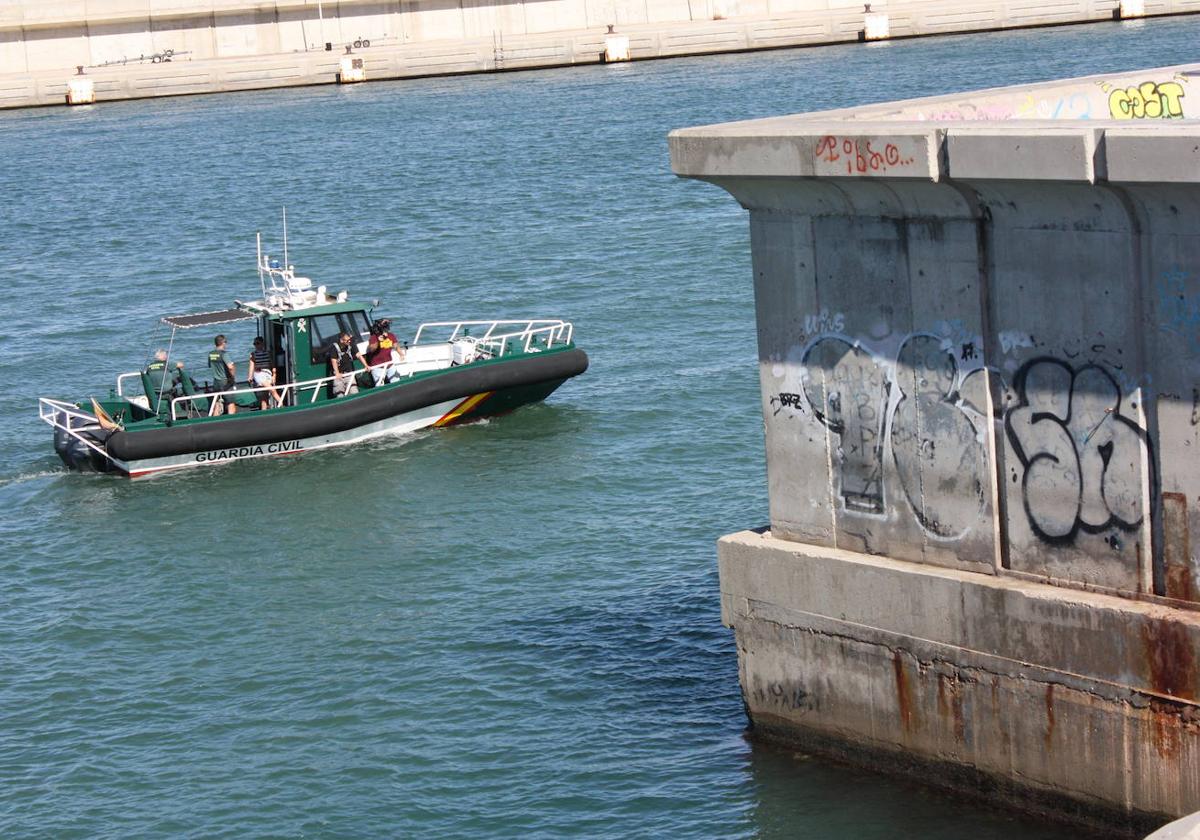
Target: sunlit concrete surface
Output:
[{"x": 979, "y": 349}]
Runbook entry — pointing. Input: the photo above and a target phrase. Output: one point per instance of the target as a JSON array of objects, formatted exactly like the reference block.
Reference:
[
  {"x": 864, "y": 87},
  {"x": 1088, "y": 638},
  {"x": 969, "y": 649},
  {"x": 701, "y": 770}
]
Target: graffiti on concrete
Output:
[
  {"x": 1010, "y": 340},
  {"x": 850, "y": 398},
  {"x": 964, "y": 111},
  {"x": 1179, "y": 308},
  {"x": 1082, "y": 456},
  {"x": 912, "y": 406},
  {"x": 1071, "y": 106},
  {"x": 1146, "y": 101},
  {"x": 937, "y": 448},
  {"x": 784, "y": 400},
  {"x": 859, "y": 156},
  {"x": 824, "y": 322}
]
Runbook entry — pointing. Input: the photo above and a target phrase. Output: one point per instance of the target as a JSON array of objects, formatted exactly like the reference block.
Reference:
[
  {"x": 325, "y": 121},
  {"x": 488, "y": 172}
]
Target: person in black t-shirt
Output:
[{"x": 341, "y": 366}]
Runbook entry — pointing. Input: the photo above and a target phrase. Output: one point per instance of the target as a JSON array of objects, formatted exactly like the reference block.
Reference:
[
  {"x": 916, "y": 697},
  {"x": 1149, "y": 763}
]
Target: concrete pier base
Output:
[
  {"x": 978, "y": 321},
  {"x": 1055, "y": 700}
]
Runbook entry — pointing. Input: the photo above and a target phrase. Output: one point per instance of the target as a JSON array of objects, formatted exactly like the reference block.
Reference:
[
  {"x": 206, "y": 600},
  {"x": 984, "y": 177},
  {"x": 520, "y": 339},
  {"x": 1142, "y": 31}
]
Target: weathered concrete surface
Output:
[
  {"x": 141, "y": 48},
  {"x": 1072, "y": 702},
  {"x": 979, "y": 349},
  {"x": 1187, "y": 828}
]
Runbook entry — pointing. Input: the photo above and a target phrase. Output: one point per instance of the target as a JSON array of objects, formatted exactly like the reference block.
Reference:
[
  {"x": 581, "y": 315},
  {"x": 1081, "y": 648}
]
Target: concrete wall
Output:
[
  {"x": 979, "y": 351},
  {"x": 136, "y": 47}
]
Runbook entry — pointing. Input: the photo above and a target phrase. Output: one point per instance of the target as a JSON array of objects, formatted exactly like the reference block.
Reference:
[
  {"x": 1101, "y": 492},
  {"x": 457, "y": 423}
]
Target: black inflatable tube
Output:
[{"x": 340, "y": 415}]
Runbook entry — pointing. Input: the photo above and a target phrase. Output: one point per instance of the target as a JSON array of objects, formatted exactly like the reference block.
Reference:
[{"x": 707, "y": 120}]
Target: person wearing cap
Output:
[{"x": 383, "y": 352}]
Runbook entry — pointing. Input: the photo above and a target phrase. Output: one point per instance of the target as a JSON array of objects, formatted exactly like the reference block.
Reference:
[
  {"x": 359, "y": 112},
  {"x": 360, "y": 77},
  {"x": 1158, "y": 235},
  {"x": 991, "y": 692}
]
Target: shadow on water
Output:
[{"x": 801, "y": 795}]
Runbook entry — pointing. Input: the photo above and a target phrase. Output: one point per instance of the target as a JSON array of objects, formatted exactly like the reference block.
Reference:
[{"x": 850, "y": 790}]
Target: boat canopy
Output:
[{"x": 207, "y": 319}]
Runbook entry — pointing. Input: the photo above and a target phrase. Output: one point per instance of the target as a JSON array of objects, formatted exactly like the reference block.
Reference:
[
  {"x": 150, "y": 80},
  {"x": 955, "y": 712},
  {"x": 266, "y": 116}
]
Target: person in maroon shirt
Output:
[{"x": 383, "y": 348}]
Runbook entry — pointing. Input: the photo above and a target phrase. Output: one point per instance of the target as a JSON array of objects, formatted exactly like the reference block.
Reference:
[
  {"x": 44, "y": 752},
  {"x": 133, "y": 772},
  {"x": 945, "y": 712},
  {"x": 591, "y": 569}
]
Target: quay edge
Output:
[{"x": 195, "y": 48}]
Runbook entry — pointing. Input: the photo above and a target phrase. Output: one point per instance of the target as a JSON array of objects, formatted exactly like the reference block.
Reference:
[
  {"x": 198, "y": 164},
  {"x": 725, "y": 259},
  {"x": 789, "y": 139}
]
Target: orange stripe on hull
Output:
[{"x": 462, "y": 408}]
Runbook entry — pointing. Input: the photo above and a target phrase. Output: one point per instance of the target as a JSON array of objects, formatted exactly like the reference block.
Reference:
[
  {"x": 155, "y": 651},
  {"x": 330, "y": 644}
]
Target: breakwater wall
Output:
[
  {"x": 979, "y": 349},
  {"x": 143, "y": 48}
]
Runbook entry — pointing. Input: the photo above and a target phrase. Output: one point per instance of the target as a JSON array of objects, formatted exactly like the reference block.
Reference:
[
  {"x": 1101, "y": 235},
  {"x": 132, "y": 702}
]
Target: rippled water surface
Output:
[{"x": 506, "y": 629}]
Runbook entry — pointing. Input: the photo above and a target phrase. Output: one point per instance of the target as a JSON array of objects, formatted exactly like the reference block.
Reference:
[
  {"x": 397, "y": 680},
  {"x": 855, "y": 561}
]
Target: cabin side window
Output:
[
  {"x": 325, "y": 330},
  {"x": 354, "y": 323}
]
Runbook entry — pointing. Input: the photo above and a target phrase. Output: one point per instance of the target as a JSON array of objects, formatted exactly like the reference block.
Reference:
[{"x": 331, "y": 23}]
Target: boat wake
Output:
[{"x": 21, "y": 478}]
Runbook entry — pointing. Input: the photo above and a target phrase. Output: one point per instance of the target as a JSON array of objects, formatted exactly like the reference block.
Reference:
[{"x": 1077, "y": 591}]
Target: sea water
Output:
[{"x": 505, "y": 629}]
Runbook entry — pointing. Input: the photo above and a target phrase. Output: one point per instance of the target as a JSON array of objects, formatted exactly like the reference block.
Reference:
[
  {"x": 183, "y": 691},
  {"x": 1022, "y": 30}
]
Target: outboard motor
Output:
[{"x": 77, "y": 455}]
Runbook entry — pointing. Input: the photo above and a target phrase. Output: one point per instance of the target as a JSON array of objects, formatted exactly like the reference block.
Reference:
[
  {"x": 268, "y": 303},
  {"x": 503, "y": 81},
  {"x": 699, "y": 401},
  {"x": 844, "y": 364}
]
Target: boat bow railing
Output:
[
  {"x": 496, "y": 338},
  {"x": 71, "y": 419}
]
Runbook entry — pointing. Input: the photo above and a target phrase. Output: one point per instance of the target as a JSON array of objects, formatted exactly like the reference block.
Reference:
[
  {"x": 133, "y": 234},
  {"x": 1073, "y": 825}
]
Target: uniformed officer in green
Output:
[
  {"x": 223, "y": 372},
  {"x": 157, "y": 372},
  {"x": 164, "y": 386}
]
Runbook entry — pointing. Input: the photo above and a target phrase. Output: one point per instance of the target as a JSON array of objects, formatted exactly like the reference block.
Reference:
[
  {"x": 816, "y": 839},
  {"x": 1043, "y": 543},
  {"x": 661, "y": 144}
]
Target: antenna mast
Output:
[
  {"x": 261, "y": 280},
  {"x": 286, "y": 264}
]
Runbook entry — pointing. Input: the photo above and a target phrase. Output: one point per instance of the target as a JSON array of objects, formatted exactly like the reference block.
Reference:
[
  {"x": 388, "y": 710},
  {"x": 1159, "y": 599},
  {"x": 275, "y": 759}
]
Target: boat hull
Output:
[{"x": 452, "y": 396}]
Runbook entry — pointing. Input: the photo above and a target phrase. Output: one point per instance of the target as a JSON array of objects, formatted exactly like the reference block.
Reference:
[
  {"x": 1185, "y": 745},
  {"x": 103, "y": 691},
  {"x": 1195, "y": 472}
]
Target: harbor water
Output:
[{"x": 506, "y": 629}]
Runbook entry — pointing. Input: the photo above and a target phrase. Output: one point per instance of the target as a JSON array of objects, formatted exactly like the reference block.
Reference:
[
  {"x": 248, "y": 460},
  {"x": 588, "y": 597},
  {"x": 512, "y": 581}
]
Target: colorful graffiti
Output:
[{"x": 1146, "y": 101}]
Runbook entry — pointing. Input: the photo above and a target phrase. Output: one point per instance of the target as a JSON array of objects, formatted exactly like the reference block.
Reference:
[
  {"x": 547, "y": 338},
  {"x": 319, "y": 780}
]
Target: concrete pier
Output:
[
  {"x": 145, "y": 48},
  {"x": 979, "y": 349}
]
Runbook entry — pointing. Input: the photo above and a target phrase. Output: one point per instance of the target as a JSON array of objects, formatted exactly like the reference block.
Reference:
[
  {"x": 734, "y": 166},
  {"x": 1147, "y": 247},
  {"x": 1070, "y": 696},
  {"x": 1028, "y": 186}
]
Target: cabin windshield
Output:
[{"x": 327, "y": 328}]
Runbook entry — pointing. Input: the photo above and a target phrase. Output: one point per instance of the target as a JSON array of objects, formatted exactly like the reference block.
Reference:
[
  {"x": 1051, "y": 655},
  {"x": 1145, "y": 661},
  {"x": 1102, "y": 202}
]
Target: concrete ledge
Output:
[
  {"x": 1056, "y": 131},
  {"x": 1007, "y": 682},
  {"x": 1045, "y": 154},
  {"x": 1163, "y": 154}
]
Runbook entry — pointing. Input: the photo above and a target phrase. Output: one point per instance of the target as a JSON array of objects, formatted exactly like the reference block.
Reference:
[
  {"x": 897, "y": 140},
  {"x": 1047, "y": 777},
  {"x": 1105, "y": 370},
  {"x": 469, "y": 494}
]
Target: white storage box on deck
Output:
[{"x": 463, "y": 351}]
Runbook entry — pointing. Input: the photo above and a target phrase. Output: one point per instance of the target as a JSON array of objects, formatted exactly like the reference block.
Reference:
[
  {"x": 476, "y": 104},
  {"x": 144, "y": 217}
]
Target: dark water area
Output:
[{"x": 510, "y": 628}]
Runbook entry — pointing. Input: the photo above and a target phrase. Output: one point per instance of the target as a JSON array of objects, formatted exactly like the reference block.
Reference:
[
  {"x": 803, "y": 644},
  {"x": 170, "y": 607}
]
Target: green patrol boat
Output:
[{"x": 163, "y": 418}]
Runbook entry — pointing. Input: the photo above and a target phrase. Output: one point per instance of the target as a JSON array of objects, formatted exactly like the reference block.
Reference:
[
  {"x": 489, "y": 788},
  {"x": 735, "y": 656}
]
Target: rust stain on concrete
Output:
[
  {"x": 1177, "y": 548},
  {"x": 1170, "y": 658},
  {"x": 950, "y": 704},
  {"x": 903, "y": 692},
  {"x": 1049, "y": 714},
  {"x": 1172, "y": 666},
  {"x": 1166, "y": 723}
]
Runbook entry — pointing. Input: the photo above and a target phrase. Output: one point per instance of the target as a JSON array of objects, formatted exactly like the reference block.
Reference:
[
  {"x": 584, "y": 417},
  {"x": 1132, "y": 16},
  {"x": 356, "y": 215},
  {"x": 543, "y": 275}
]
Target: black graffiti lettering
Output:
[
  {"x": 1082, "y": 458},
  {"x": 786, "y": 400}
]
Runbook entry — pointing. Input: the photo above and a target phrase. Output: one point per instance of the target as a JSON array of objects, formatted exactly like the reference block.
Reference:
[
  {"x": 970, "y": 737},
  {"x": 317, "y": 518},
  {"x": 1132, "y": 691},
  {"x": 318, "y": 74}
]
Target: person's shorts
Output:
[
  {"x": 262, "y": 378},
  {"x": 345, "y": 385}
]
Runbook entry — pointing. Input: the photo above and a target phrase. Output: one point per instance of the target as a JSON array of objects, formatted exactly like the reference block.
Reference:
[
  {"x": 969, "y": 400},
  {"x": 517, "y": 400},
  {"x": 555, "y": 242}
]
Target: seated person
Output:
[
  {"x": 262, "y": 374},
  {"x": 384, "y": 352},
  {"x": 223, "y": 373},
  {"x": 340, "y": 357},
  {"x": 164, "y": 385}
]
